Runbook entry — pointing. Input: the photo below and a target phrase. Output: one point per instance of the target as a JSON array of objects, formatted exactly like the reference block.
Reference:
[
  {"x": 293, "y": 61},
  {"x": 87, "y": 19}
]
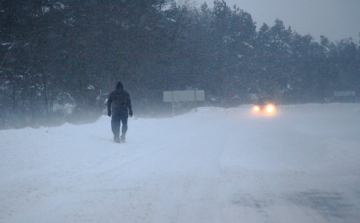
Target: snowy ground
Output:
[{"x": 216, "y": 165}]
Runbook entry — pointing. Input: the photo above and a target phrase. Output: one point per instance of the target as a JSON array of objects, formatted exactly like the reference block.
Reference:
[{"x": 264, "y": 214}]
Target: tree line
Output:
[{"x": 60, "y": 59}]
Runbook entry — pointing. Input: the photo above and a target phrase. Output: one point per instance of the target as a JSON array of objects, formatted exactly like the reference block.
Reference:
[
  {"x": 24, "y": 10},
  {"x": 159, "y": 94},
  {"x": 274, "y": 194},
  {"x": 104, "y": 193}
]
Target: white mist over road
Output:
[{"x": 215, "y": 165}]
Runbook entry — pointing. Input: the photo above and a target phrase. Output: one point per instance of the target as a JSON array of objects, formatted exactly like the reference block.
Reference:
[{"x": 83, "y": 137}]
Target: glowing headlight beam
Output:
[{"x": 270, "y": 108}]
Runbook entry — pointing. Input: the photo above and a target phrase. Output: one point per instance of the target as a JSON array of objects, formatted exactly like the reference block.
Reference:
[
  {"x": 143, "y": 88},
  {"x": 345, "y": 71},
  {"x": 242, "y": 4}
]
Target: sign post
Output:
[
  {"x": 195, "y": 99},
  {"x": 173, "y": 103}
]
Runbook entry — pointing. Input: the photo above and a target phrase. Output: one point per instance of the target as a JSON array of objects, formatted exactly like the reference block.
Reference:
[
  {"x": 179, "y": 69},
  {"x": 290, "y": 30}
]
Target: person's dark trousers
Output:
[{"x": 116, "y": 120}]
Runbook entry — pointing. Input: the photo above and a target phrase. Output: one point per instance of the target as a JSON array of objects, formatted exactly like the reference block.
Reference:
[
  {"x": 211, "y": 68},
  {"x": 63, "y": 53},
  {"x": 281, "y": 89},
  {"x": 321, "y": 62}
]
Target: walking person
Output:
[{"x": 119, "y": 109}]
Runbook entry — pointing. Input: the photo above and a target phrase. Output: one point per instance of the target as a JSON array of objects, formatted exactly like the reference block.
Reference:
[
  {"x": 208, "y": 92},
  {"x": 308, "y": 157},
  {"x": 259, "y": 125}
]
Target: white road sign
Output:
[{"x": 189, "y": 95}]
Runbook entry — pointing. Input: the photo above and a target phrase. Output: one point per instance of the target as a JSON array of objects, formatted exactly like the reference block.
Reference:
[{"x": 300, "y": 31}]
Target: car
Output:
[{"x": 265, "y": 105}]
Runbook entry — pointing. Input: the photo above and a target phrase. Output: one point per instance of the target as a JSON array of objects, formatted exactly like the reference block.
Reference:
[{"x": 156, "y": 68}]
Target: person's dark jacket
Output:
[{"x": 119, "y": 101}]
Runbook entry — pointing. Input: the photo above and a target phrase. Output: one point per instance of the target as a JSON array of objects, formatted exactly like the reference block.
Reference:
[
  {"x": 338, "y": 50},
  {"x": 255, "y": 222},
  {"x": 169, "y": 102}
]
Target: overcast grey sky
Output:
[{"x": 335, "y": 19}]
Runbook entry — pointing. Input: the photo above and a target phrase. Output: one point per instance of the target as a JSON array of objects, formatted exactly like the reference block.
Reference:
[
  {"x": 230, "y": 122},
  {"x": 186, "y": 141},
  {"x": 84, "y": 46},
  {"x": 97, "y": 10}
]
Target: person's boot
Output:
[
  {"x": 122, "y": 138},
  {"x": 116, "y": 139}
]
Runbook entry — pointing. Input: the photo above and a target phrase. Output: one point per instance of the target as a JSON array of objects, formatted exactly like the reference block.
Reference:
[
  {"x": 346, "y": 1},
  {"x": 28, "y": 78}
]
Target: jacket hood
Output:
[{"x": 119, "y": 86}]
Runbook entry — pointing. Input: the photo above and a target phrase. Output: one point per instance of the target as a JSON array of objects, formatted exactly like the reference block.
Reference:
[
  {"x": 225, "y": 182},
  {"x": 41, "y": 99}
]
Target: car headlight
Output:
[
  {"x": 256, "y": 108},
  {"x": 270, "y": 108}
]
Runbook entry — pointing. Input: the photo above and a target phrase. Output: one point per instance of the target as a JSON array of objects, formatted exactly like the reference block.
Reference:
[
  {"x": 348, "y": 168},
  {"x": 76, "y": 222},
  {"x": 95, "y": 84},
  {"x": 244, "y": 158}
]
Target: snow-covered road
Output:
[{"x": 215, "y": 165}]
